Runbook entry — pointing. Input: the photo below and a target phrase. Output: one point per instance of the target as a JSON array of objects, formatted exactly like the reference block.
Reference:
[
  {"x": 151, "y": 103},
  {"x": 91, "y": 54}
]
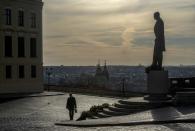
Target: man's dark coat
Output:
[{"x": 71, "y": 103}]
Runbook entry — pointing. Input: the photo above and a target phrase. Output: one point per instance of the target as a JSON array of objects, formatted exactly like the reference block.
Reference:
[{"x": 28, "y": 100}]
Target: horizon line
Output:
[{"x": 123, "y": 65}]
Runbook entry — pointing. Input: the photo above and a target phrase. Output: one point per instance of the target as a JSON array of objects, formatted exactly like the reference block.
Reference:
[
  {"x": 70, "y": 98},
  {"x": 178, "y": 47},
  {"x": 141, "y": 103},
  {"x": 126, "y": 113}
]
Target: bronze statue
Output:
[{"x": 159, "y": 46}]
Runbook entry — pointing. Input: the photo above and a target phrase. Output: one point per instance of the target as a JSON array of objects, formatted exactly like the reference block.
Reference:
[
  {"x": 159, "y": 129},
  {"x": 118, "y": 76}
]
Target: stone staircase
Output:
[{"x": 130, "y": 106}]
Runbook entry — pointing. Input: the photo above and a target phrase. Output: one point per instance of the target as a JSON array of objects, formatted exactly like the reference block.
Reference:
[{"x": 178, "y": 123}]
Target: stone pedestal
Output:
[{"x": 157, "y": 85}]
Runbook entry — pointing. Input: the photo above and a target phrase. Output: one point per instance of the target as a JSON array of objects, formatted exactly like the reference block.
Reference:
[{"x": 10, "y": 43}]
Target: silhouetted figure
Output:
[
  {"x": 159, "y": 46},
  {"x": 71, "y": 106}
]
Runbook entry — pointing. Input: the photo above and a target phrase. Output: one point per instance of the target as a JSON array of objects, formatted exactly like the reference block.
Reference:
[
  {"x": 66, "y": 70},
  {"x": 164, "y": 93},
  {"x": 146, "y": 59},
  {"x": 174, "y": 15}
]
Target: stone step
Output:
[
  {"x": 92, "y": 117},
  {"x": 184, "y": 98},
  {"x": 102, "y": 115},
  {"x": 113, "y": 113},
  {"x": 129, "y": 106},
  {"x": 145, "y": 103},
  {"x": 186, "y": 90},
  {"x": 188, "y": 93},
  {"x": 127, "y": 110},
  {"x": 131, "y": 102}
]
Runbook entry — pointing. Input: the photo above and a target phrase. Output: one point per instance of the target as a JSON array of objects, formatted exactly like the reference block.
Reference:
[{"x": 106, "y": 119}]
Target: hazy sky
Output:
[{"x": 79, "y": 32}]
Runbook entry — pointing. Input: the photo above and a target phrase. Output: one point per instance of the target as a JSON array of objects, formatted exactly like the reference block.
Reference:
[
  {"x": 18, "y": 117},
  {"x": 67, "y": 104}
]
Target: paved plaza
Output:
[{"x": 39, "y": 113}]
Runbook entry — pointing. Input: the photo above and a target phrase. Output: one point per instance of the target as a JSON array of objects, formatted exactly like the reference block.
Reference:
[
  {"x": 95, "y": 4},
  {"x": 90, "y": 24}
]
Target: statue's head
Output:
[
  {"x": 70, "y": 94},
  {"x": 156, "y": 15}
]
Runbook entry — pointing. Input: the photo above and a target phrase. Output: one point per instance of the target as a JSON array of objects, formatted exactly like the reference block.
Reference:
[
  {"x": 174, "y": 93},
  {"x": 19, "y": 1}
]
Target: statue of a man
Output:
[{"x": 159, "y": 46}]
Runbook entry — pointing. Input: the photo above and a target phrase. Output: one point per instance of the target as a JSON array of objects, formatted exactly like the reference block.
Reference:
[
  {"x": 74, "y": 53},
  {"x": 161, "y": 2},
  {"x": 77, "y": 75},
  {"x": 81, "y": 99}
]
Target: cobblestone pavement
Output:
[{"x": 40, "y": 113}]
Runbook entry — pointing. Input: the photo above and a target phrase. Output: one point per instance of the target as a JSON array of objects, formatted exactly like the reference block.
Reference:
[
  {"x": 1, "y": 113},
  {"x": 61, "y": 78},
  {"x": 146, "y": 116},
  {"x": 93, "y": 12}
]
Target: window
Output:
[
  {"x": 21, "y": 47},
  {"x": 33, "y": 46},
  {"x": 33, "y": 20},
  {"x": 8, "y": 17},
  {"x": 8, "y": 46},
  {"x": 8, "y": 73},
  {"x": 33, "y": 71},
  {"x": 21, "y": 18},
  {"x": 21, "y": 71}
]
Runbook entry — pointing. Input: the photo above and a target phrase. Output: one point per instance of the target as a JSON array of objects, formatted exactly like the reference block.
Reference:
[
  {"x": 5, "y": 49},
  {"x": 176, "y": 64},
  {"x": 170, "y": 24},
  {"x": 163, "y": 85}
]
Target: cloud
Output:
[
  {"x": 127, "y": 37},
  {"x": 82, "y": 31},
  {"x": 99, "y": 7}
]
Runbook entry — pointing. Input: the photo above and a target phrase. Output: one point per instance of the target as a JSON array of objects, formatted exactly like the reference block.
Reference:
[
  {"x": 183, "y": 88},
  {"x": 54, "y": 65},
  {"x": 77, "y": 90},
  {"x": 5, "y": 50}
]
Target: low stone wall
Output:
[{"x": 93, "y": 91}]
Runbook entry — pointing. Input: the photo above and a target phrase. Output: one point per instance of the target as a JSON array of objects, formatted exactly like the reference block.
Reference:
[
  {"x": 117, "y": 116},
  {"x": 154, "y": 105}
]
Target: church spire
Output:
[
  {"x": 98, "y": 69},
  {"x": 105, "y": 71}
]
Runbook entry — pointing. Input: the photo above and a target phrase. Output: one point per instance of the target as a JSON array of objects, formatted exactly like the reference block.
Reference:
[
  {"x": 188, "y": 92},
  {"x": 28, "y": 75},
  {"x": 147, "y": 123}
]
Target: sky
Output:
[{"x": 81, "y": 32}]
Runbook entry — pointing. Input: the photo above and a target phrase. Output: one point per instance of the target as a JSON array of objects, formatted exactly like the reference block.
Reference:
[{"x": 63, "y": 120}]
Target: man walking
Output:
[{"x": 71, "y": 106}]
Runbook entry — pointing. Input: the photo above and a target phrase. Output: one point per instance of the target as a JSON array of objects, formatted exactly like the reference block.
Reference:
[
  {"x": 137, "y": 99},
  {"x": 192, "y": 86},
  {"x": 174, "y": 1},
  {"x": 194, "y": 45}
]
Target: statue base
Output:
[
  {"x": 157, "y": 85},
  {"x": 153, "y": 68}
]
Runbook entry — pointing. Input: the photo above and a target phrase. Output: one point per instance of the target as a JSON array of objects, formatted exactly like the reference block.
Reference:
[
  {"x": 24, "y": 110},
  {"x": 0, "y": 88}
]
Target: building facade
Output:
[{"x": 21, "y": 46}]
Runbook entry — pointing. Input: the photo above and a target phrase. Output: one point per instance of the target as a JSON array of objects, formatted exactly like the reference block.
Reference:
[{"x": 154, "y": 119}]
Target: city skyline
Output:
[{"x": 79, "y": 32}]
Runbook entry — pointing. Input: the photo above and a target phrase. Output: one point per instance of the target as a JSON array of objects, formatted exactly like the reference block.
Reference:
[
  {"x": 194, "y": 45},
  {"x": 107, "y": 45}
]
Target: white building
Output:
[{"x": 21, "y": 46}]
